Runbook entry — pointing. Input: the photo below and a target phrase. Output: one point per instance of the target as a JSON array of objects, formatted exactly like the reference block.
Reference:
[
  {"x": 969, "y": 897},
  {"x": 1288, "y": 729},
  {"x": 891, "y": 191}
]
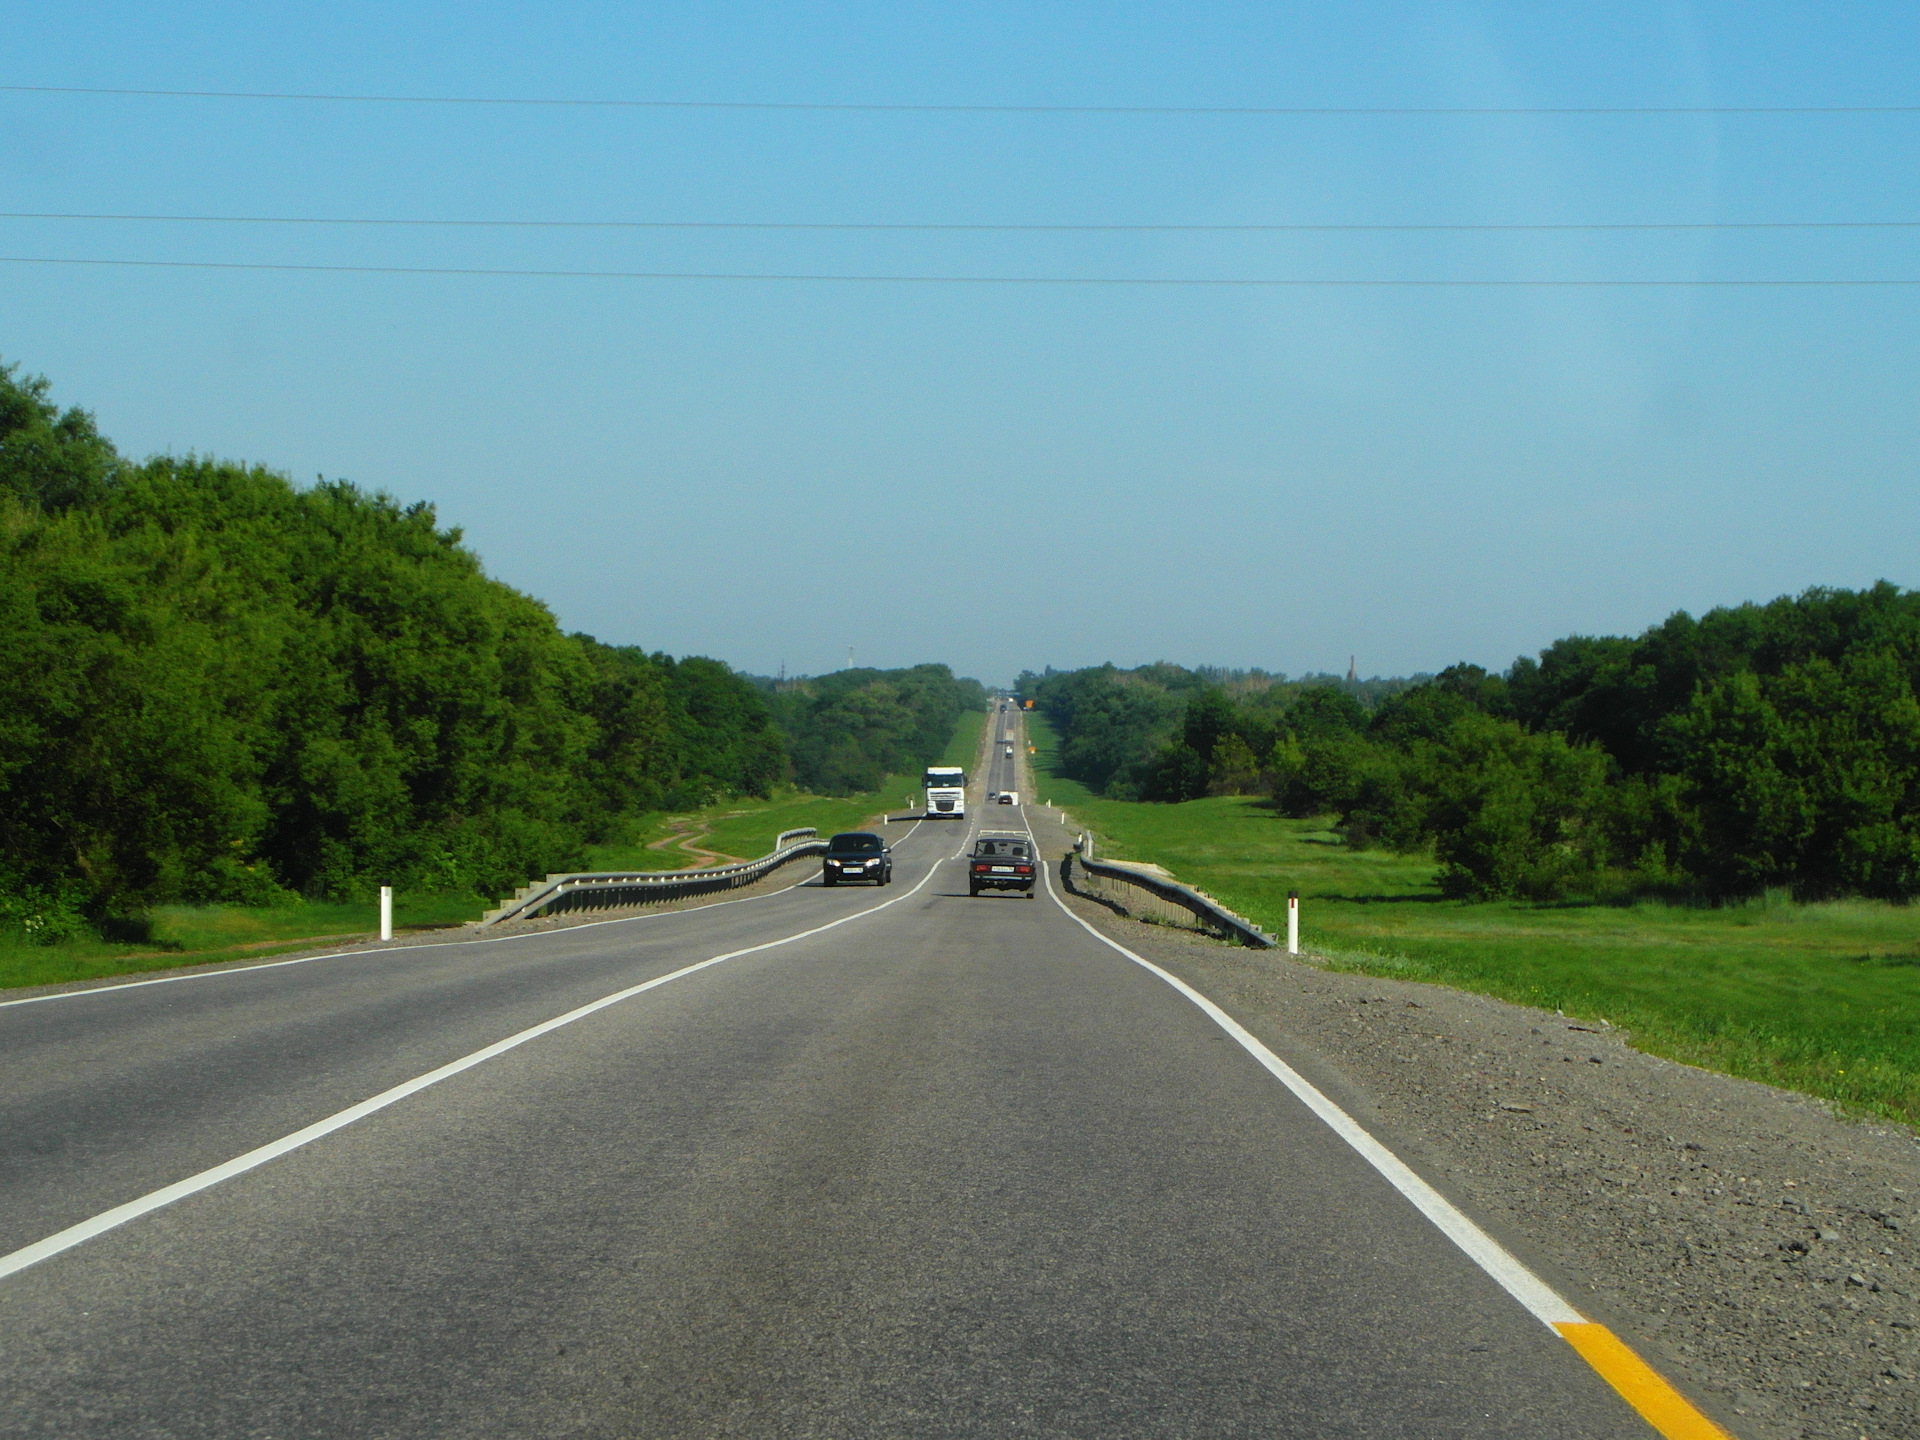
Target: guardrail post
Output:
[
  {"x": 1293, "y": 922},
  {"x": 386, "y": 912}
]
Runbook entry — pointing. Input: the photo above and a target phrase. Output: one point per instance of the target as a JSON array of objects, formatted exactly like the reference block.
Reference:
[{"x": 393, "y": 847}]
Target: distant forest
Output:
[
  {"x": 217, "y": 686},
  {"x": 1121, "y": 730},
  {"x": 1757, "y": 747},
  {"x": 846, "y": 732}
]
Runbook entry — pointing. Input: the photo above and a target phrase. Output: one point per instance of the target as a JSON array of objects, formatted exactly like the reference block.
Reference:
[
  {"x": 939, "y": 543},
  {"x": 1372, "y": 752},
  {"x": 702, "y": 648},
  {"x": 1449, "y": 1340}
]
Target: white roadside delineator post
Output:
[
  {"x": 386, "y": 912},
  {"x": 1293, "y": 922}
]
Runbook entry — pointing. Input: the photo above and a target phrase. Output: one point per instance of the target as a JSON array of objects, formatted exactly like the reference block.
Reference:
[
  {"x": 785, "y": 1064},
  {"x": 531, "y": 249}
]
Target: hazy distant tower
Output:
[{"x": 1352, "y": 674}]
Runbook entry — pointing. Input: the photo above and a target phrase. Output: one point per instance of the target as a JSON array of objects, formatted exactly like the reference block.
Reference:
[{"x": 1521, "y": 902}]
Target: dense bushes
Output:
[
  {"x": 671, "y": 734},
  {"x": 1150, "y": 733},
  {"x": 849, "y": 730},
  {"x": 215, "y": 686},
  {"x": 1759, "y": 746}
]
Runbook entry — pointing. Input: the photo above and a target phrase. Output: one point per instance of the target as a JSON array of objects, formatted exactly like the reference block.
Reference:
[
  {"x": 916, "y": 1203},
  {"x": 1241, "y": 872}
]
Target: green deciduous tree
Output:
[
  {"x": 49, "y": 459},
  {"x": 849, "y": 730},
  {"x": 1756, "y": 746},
  {"x": 1511, "y": 813},
  {"x": 216, "y": 686},
  {"x": 1809, "y": 778}
]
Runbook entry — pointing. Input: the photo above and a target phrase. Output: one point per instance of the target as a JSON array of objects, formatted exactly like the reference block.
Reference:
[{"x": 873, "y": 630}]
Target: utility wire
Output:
[
  {"x": 1099, "y": 280},
  {"x": 832, "y": 106},
  {"x": 806, "y": 225}
]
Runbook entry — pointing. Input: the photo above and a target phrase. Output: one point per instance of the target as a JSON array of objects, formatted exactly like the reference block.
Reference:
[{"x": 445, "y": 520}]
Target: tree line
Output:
[
  {"x": 849, "y": 730},
  {"x": 1759, "y": 746},
  {"x": 1149, "y": 733},
  {"x": 218, "y": 686}
]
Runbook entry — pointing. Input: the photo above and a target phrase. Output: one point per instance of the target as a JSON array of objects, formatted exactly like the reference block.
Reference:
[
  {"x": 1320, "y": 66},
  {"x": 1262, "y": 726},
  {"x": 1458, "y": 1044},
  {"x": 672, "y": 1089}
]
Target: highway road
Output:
[{"x": 947, "y": 1167}]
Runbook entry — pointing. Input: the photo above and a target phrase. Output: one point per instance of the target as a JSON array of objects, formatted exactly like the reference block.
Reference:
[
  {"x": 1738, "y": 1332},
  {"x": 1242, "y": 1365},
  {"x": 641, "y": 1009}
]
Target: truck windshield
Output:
[{"x": 953, "y": 780}]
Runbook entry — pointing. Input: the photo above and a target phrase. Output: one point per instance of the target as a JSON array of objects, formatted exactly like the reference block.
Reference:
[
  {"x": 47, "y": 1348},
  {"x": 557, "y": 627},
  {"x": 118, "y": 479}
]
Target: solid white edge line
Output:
[
  {"x": 396, "y": 949},
  {"x": 119, "y": 1215},
  {"x": 1541, "y": 1300}
]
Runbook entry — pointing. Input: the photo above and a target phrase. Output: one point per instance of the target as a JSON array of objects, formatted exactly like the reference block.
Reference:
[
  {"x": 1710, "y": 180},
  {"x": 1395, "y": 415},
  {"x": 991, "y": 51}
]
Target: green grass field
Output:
[
  {"x": 744, "y": 829},
  {"x": 1823, "y": 998},
  {"x": 200, "y": 934},
  {"x": 203, "y": 934}
]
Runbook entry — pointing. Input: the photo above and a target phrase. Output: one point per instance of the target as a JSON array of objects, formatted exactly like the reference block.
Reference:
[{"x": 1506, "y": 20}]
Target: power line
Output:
[
  {"x": 1033, "y": 280},
  {"x": 988, "y": 228},
  {"x": 917, "y": 109}
]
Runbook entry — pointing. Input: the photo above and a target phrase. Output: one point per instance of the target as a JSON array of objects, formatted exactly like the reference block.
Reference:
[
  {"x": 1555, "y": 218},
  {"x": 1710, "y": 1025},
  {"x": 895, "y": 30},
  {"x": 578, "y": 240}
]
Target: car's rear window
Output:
[
  {"x": 855, "y": 842},
  {"x": 1010, "y": 849}
]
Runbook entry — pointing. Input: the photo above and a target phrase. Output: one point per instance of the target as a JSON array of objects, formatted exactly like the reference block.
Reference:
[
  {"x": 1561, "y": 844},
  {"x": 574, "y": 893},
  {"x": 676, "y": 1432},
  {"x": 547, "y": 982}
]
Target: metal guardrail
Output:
[
  {"x": 1156, "y": 882},
  {"x": 603, "y": 889}
]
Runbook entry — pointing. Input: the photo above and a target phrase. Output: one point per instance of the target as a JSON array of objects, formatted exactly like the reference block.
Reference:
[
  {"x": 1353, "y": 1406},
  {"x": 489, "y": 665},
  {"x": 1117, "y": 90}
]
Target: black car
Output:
[
  {"x": 1001, "y": 862},
  {"x": 857, "y": 855}
]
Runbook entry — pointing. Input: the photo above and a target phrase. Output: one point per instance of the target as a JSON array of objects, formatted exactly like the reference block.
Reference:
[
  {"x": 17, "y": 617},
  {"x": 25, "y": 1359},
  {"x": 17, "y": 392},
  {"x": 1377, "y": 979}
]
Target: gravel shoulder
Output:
[{"x": 1751, "y": 1243}]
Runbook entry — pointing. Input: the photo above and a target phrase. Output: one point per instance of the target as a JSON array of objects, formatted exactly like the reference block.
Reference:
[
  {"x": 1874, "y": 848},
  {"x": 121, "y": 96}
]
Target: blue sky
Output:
[{"x": 1009, "y": 476}]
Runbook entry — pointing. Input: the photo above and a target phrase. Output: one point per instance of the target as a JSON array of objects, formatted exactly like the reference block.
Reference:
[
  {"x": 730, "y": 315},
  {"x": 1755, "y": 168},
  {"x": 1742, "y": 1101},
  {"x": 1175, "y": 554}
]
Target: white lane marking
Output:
[
  {"x": 395, "y": 949},
  {"x": 120, "y": 1214},
  {"x": 1541, "y": 1300}
]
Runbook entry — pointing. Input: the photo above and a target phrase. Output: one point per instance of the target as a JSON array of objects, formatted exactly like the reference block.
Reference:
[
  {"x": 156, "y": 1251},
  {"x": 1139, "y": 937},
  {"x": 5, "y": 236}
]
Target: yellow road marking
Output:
[{"x": 1639, "y": 1384}]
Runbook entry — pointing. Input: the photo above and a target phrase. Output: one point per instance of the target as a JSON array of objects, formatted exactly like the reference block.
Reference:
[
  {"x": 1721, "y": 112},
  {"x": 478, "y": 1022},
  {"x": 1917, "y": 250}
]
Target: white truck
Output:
[{"x": 946, "y": 792}]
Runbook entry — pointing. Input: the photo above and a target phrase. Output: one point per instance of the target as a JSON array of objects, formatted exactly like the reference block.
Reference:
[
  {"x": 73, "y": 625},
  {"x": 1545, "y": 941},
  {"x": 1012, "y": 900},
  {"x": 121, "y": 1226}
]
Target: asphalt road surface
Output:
[{"x": 952, "y": 1167}]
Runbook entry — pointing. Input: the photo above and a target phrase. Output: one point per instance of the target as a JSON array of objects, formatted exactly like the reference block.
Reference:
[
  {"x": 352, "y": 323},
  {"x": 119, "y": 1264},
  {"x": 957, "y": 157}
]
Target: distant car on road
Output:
[
  {"x": 1009, "y": 797},
  {"x": 857, "y": 855},
  {"x": 1001, "y": 862}
]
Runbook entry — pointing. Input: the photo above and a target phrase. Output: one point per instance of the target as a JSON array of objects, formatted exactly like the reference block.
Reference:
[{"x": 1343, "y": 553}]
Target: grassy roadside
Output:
[
  {"x": 743, "y": 829},
  {"x": 1822, "y": 998},
  {"x": 207, "y": 934}
]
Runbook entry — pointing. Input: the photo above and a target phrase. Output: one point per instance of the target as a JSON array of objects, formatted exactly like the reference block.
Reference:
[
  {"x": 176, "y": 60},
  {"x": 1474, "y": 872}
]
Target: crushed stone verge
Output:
[{"x": 1753, "y": 1244}]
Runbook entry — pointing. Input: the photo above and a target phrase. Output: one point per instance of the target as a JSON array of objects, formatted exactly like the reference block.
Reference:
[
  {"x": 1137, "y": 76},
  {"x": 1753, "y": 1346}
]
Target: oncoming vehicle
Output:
[
  {"x": 1001, "y": 862},
  {"x": 946, "y": 792},
  {"x": 857, "y": 855},
  {"x": 1009, "y": 797},
  {"x": 1009, "y": 752}
]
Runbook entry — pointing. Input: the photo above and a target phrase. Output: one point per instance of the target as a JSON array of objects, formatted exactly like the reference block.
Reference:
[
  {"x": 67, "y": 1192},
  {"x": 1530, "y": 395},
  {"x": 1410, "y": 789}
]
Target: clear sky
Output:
[{"x": 1003, "y": 476}]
